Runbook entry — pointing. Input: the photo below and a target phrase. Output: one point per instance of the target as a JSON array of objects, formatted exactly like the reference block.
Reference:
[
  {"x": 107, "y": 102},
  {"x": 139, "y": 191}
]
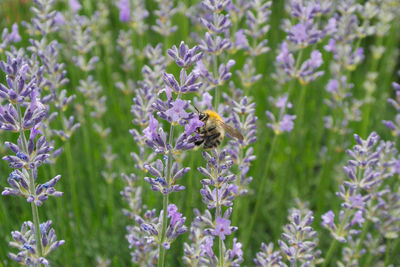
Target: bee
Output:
[{"x": 213, "y": 131}]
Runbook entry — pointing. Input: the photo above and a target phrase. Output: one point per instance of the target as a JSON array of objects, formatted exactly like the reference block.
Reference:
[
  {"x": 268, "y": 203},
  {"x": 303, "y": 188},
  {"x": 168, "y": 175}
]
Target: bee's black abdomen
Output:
[
  {"x": 199, "y": 142},
  {"x": 209, "y": 130}
]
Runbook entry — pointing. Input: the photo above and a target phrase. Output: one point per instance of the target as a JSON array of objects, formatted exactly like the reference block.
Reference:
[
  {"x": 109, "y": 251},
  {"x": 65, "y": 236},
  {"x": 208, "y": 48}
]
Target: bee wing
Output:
[{"x": 231, "y": 131}]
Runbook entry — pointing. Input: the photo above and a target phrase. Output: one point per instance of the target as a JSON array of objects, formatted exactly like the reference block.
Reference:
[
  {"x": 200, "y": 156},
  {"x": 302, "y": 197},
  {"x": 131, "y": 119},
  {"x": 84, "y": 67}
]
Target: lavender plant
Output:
[
  {"x": 218, "y": 192},
  {"x": 24, "y": 112},
  {"x": 9, "y": 37},
  {"x": 369, "y": 168}
]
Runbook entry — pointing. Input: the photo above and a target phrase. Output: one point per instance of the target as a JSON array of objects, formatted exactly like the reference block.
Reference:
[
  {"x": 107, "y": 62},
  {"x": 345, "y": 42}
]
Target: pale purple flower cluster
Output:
[
  {"x": 134, "y": 14},
  {"x": 145, "y": 253},
  {"x": 183, "y": 56},
  {"x": 216, "y": 41},
  {"x": 242, "y": 152},
  {"x": 44, "y": 22},
  {"x": 159, "y": 170},
  {"x": 394, "y": 126},
  {"x": 218, "y": 191},
  {"x": 300, "y": 240},
  {"x": 9, "y": 37},
  {"x": 29, "y": 154},
  {"x": 152, "y": 228},
  {"x": 301, "y": 35},
  {"x": 306, "y": 72},
  {"x": 164, "y": 13},
  {"x": 366, "y": 196},
  {"x": 267, "y": 257},
  {"x": 306, "y": 31},
  {"x": 346, "y": 32},
  {"x": 283, "y": 122},
  {"x": 202, "y": 235},
  {"x": 166, "y": 172},
  {"x": 257, "y": 17},
  {"x": 361, "y": 174},
  {"x": 24, "y": 241},
  {"x": 23, "y": 111},
  {"x": 82, "y": 44}
]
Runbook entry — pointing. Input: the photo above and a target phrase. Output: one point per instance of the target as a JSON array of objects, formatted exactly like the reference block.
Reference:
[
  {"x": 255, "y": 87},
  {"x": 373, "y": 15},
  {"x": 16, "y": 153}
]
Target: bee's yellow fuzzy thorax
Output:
[{"x": 213, "y": 115}]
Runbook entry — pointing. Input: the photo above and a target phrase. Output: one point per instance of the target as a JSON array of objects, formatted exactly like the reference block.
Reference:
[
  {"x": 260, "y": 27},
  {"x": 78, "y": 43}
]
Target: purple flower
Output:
[
  {"x": 185, "y": 57},
  {"x": 74, "y": 5},
  {"x": 222, "y": 228},
  {"x": 304, "y": 34},
  {"x": 328, "y": 219},
  {"x": 332, "y": 86},
  {"x": 357, "y": 201},
  {"x": 14, "y": 35},
  {"x": 282, "y": 102},
  {"x": 174, "y": 214},
  {"x": 285, "y": 60},
  {"x": 59, "y": 18},
  {"x": 178, "y": 110},
  {"x": 24, "y": 241},
  {"x": 207, "y": 245},
  {"x": 124, "y": 11},
  {"x": 283, "y": 122},
  {"x": 308, "y": 70},
  {"x": 299, "y": 238},
  {"x": 236, "y": 249},
  {"x": 287, "y": 124},
  {"x": 241, "y": 41},
  {"x": 192, "y": 125},
  {"x": 357, "y": 218},
  {"x": 268, "y": 257},
  {"x": 150, "y": 132}
]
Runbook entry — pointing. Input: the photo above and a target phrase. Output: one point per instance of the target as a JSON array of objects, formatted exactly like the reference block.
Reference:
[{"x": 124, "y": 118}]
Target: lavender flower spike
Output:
[
  {"x": 24, "y": 241},
  {"x": 300, "y": 239},
  {"x": 283, "y": 122}
]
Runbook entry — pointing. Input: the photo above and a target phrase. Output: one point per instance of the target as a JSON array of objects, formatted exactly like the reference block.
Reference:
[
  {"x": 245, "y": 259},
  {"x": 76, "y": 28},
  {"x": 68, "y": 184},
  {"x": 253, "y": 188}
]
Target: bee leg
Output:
[
  {"x": 199, "y": 142},
  {"x": 212, "y": 141},
  {"x": 209, "y": 130},
  {"x": 214, "y": 136}
]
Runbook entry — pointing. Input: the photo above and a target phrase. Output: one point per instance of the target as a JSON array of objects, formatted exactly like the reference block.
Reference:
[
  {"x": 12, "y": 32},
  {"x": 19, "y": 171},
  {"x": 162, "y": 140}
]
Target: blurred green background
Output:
[{"x": 93, "y": 225}]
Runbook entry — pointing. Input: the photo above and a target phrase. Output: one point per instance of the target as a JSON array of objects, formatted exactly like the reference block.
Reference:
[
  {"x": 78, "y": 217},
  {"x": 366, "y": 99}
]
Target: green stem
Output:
[
  {"x": 217, "y": 91},
  {"x": 218, "y": 215},
  {"x": 362, "y": 237},
  {"x": 161, "y": 249},
  {"x": 334, "y": 243},
  {"x": 331, "y": 250},
  {"x": 388, "y": 250},
  {"x": 72, "y": 185},
  {"x": 35, "y": 211},
  {"x": 293, "y": 80},
  {"x": 221, "y": 253},
  {"x": 367, "y": 111},
  {"x": 260, "y": 194}
]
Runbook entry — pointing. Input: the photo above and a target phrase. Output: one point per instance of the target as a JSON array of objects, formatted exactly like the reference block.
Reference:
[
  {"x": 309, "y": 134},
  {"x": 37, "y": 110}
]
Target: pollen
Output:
[{"x": 213, "y": 115}]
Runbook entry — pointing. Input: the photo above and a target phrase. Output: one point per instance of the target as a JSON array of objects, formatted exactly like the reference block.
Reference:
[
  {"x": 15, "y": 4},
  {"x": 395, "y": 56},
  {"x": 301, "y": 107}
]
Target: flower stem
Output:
[
  {"x": 260, "y": 194},
  {"x": 331, "y": 250},
  {"x": 362, "y": 237},
  {"x": 221, "y": 253},
  {"x": 161, "y": 248},
  {"x": 218, "y": 215},
  {"x": 334, "y": 243},
  {"x": 35, "y": 211},
  {"x": 217, "y": 91},
  {"x": 388, "y": 250}
]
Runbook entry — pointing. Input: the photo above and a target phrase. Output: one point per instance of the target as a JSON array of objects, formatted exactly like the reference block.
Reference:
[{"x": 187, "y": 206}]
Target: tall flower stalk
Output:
[
  {"x": 362, "y": 194},
  {"x": 25, "y": 112}
]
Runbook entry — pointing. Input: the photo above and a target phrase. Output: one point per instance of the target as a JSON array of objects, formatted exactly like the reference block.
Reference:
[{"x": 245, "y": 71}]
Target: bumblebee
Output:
[{"x": 213, "y": 131}]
